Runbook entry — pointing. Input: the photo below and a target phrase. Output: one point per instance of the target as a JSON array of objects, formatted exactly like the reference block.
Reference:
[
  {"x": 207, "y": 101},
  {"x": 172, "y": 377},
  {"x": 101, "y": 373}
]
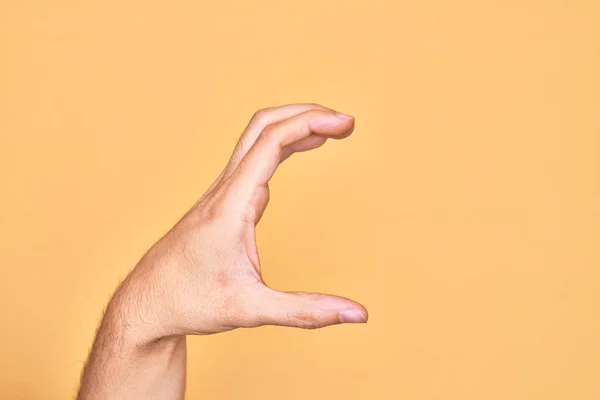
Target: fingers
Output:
[
  {"x": 310, "y": 143},
  {"x": 308, "y": 310},
  {"x": 280, "y": 139},
  {"x": 260, "y": 120}
]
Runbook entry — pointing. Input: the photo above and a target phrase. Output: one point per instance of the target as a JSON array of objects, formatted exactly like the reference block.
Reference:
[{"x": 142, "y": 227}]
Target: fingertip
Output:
[
  {"x": 331, "y": 124},
  {"x": 343, "y": 116},
  {"x": 353, "y": 316}
]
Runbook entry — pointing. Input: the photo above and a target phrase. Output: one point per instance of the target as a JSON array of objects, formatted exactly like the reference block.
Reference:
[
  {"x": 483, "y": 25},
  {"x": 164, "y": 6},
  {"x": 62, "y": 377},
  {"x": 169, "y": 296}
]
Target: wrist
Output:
[
  {"x": 124, "y": 349},
  {"x": 131, "y": 317}
]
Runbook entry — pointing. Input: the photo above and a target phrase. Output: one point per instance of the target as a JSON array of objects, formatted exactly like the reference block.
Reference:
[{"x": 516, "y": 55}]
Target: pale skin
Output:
[{"x": 204, "y": 275}]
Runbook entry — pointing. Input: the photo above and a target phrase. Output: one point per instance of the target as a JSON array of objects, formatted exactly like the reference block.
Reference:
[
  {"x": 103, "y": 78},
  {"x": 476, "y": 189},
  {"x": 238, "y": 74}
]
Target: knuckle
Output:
[
  {"x": 315, "y": 107},
  {"x": 271, "y": 134},
  {"x": 214, "y": 207},
  {"x": 307, "y": 320},
  {"x": 319, "y": 113},
  {"x": 261, "y": 117},
  {"x": 208, "y": 211}
]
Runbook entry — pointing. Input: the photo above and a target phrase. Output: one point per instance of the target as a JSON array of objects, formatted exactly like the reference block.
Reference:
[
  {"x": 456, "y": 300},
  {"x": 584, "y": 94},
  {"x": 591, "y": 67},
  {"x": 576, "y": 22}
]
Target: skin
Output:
[{"x": 204, "y": 275}]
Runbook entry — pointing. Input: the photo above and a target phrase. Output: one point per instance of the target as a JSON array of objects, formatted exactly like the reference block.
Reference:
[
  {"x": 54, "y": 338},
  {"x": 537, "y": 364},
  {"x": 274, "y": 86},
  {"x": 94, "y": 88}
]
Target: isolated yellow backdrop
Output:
[{"x": 464, "y": 212}]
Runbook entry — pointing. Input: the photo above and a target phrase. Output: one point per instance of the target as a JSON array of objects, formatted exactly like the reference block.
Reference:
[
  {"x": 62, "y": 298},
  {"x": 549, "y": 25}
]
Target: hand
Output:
[{"x": 204, "y": 276}]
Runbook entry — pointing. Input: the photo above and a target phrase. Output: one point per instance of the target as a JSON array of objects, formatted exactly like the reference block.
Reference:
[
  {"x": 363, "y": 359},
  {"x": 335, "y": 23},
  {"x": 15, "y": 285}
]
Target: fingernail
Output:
[
  {"x": 343, "y": 116},
  {"x": 352, "y": 316}
]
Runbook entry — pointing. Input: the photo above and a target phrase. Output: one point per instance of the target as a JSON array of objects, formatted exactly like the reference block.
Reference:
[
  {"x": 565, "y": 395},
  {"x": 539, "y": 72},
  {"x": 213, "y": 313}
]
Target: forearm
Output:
[{"x": 127, "y": 362}]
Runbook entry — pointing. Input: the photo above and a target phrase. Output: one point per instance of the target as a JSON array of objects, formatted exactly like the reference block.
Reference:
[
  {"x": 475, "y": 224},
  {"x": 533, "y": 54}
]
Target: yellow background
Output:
[{"x": 463, "y": 212}]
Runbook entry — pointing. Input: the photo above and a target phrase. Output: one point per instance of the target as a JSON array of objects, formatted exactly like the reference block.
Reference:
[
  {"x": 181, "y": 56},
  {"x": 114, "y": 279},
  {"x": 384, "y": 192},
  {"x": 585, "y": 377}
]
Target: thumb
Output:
[{"x": 308, "y": 310}]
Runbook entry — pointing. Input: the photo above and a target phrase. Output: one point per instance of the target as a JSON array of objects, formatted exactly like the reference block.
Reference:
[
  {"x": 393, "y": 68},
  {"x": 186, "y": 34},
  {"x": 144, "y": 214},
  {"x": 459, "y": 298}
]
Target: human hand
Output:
[{"x": 204, "y": 275}]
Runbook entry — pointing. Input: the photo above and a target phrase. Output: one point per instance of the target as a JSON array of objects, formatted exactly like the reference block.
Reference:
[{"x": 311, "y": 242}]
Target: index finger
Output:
[{"x": 261, "y": 161}]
